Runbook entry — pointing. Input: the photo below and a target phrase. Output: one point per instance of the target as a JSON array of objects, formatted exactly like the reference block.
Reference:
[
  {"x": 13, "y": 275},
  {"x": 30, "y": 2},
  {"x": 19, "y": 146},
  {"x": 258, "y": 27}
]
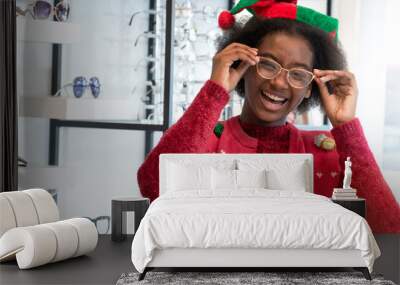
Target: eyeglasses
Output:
[
  {"x": 79, "y": 86},
  {"x": 42, "y": 10},
  {"x": 102, "y": 224},
  {"x": 297, "y": 77}
]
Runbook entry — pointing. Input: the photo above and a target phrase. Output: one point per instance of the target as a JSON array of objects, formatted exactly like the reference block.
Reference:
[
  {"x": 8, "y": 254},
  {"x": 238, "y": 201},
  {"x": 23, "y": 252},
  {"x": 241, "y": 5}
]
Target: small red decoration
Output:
[{"x": 226, "y": 20}]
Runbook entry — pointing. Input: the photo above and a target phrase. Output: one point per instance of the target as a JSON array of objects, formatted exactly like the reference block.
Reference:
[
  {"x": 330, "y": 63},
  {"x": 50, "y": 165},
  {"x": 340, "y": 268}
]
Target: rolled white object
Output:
[
  {"x": 23, "y": 208},
  {"x": 26, "y": 208},
  {"x": 67, "y": 239},
  {"x": 33, "y": 246},
  {"x": 88, "y": 235},
  {"x": 7, "y": 218},
  {"x": 40, "y": 244},
  {"x": 45, "y": 205}
]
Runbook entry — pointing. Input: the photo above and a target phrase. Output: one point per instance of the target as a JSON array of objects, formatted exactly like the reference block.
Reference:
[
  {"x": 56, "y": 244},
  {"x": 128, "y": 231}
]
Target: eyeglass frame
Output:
[
  {"x": 73, "y": 85},
  {"x": 31, "y": 10},
  {"x": 99, "y": 218},
  {"x": 287, "y": 72}
]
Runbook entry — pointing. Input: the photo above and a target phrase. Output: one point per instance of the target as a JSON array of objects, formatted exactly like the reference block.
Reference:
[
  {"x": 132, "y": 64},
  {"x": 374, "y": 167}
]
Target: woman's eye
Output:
[
  {"x": 268, "y": 65},
  {"x": 298, "y": 74}
]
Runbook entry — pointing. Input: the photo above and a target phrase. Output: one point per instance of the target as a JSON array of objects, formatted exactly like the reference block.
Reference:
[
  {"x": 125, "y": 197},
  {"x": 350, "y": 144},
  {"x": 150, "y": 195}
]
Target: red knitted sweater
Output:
[{"x": 194, "y": 133}]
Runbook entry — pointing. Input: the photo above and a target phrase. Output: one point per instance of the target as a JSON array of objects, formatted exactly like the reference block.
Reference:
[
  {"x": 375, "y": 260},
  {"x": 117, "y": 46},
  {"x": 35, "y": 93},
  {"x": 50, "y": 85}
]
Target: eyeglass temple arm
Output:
[
  {"x": 147, "y": 34},
  {"x": 58, "y": 93},
  {"x": 22, "y": 12},
  {"x": 150, "y": 12}
]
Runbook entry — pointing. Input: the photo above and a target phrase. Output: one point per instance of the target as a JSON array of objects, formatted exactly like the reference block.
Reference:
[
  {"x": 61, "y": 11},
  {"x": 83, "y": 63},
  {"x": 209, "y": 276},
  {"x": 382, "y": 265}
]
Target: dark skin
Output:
[{"x": 289, "y": 51}]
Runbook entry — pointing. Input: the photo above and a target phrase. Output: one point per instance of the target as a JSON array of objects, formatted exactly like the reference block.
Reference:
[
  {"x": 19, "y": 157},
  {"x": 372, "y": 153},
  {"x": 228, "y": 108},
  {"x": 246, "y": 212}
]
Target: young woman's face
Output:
[{"x": 269, "y": 101}]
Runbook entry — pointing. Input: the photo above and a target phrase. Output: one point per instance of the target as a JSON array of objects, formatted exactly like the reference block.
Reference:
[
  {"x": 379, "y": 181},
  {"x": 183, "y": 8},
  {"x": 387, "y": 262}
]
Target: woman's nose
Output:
[{"x": 280, "y": 81}]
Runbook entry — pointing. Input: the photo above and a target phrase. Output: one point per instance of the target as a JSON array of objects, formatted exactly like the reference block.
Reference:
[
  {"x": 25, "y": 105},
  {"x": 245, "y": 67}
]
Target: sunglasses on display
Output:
[
  {"x": 297, "y": 77},
  {"x": 42, "y": 10},
  {"x": 102, "y": 224},
  {"x": 80, "y": 84}
]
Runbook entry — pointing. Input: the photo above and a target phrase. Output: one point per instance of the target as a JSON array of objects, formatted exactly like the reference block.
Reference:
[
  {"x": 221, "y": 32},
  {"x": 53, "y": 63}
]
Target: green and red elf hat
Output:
[{"x": 288, "y": 9}]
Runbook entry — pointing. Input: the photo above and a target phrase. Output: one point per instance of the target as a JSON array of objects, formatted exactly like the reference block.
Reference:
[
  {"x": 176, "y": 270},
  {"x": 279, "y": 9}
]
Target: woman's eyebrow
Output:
[{"x": 301, "y": 64}]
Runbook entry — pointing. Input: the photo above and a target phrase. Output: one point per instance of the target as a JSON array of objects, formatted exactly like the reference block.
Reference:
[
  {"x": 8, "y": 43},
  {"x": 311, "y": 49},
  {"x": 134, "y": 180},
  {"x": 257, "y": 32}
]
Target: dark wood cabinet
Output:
[{"x": 358, "y": 206}]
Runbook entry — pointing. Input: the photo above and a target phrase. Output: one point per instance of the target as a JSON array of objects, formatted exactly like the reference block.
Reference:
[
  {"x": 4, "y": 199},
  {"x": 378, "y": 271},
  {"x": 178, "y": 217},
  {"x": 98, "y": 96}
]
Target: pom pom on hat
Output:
[{"x": 226, "y": 20}]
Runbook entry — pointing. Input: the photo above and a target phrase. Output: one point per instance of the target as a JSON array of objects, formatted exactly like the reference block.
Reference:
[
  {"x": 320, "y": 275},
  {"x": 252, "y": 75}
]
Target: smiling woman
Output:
[
  {"x": 283, "y": 40},
  {"x": 285, "y": 59},
  {"x": 273, "y": 99}
]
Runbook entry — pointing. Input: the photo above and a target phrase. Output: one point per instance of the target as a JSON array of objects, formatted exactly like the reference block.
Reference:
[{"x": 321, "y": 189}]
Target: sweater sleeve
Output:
[
  {"x": 383, "y": 211},
  {"x": 190, "y": 134}
]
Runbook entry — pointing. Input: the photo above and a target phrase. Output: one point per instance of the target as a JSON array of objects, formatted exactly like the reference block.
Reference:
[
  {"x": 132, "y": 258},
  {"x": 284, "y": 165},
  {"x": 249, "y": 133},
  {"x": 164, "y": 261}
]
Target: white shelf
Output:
[
  {"x": 47, "y": 31},
  {"x": 67, "y": 108}
]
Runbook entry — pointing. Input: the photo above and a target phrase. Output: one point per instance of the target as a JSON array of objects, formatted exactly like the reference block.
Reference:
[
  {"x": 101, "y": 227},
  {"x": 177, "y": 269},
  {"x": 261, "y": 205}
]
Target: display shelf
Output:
[
  {"x": 67, "y": 108},
  {"x": 47, "y": 31}
]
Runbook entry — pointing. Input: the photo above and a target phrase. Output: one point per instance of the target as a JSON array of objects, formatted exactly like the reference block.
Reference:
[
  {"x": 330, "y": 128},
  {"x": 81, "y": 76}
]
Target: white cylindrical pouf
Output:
[
  {"x": 45, "y": 205},
  {"x": 37, "y": 245},
  {"x": 7, "y": 218},
  {"x": 23, "y": 207},
  {"x": 87, "y": 234},
  {"x": 67, "y": 239}
]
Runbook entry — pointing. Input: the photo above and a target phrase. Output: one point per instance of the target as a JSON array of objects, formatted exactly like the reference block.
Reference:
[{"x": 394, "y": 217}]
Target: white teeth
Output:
[{"x": 273, "y": 97}]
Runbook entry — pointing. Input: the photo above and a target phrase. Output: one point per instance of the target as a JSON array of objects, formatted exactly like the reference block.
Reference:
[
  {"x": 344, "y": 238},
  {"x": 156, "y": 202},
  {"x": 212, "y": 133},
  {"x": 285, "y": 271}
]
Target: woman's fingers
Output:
[
  {"x": 235, "y": 55},
  {"x": 242, "y": 46},
  {"x": 325, "y": 96},
  {"x": 328, "y": 77},
  {"x": 241, "y": 69},
  {"x": 320, "y": 72},
  {"x": 339, "y": 106},
  {"x": 343, "y": 82},
  {"x": 236, "y": 52},
  {"x": 340, "y": 75}
]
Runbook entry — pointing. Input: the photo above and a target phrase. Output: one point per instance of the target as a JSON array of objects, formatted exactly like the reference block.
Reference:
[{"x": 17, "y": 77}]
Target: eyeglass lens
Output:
[
  {"x": 102, "y": 225},
  {"x": 42, "y": 9},
  {"x": 94, "y": 84},
  {"x": 62, "y": 11},
  {"x": 80, "y": 84}
]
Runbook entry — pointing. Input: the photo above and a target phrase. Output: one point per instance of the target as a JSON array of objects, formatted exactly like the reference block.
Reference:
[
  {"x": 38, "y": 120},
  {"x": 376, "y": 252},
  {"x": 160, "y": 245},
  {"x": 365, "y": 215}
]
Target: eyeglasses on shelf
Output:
[
  {"x": 80, "y": 84},
  {"x": 42, "y": 10},
  {"x": 102, "y": 224}
]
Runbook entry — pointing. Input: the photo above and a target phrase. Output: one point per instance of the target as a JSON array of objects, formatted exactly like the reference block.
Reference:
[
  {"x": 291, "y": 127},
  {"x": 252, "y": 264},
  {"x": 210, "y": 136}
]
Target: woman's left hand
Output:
[{"x": 340, "y": 106}]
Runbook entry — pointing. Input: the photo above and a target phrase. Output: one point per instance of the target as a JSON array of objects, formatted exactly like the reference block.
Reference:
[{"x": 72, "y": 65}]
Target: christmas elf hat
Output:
[{"x": 288, "y": 9}]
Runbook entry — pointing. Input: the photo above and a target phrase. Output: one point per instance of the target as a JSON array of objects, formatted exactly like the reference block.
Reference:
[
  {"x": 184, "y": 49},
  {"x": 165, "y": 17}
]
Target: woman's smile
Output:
[{"x": 271, "y": 101}]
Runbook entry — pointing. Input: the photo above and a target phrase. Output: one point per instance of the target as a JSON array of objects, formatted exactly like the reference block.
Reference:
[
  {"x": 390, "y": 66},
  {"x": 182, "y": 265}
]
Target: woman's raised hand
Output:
[
  {"x": 222, "y": 72},
  {"x": 340, "y": 106}
]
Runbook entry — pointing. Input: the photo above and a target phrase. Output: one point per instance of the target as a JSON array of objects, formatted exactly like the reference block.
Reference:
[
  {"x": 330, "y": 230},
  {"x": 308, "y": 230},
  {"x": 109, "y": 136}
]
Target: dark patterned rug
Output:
[{"x": 243, "y": 278}]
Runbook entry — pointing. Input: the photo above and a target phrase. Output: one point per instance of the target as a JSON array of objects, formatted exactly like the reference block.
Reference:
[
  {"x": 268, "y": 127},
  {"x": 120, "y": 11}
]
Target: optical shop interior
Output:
[{"x": 199, "y": 142}]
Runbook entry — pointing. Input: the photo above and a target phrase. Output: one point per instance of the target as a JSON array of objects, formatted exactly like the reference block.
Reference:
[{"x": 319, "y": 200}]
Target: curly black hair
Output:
[{"x": 327, "y": 53}]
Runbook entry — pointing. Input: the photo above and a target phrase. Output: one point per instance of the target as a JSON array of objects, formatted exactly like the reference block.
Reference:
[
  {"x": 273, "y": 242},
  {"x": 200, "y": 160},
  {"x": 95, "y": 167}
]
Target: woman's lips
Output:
[{"x": 272, "y": 102}]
